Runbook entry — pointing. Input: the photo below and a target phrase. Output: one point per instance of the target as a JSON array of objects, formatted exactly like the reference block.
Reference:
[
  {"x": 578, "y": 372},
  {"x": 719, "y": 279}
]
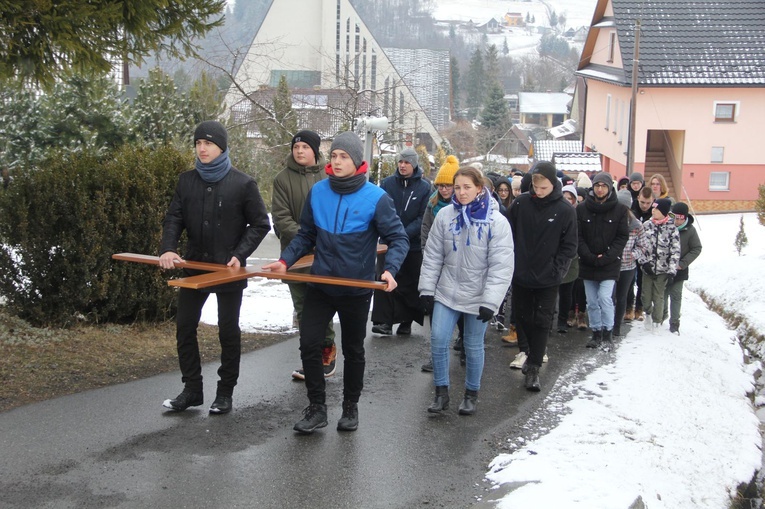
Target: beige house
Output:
[
  {"x": 332, "y": 61},
  {"x": 700, "y": 101}
]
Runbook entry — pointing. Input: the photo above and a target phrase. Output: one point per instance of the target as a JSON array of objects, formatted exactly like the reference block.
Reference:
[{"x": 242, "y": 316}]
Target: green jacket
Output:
[{"x": 291, "y": 187}]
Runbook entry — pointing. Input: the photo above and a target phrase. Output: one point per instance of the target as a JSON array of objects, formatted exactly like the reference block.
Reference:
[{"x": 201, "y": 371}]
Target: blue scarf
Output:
[
  {"x": 215, "y": 170},
  {"x": 474, "y": 213}
]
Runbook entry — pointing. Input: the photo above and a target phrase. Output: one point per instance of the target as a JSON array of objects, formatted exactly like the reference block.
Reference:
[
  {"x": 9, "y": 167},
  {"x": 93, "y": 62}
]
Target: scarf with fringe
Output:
[{"x": 474, "y": 213}]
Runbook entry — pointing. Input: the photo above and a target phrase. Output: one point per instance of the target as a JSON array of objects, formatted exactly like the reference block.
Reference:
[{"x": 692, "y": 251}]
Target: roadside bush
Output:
[
  {"x": 61, "y": 222},
  {"x": 760, "y": 205}
]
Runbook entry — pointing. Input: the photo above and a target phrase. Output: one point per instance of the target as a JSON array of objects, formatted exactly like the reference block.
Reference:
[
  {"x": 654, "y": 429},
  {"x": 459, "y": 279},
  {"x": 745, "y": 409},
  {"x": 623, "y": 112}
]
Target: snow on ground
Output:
[{"x": 668, "y": 419}]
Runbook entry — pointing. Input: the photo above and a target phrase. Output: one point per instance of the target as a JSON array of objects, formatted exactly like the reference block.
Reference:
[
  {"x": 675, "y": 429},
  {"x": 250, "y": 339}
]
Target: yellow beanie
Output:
[{"x": 446, "y": 173}]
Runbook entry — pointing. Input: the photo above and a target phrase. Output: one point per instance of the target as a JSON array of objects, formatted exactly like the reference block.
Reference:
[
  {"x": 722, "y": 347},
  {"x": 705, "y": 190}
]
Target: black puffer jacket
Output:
[
  {"x": 544, "y": 233},
  {"x": 223, "y": 219},
  {"x": 603, "y": 230}
]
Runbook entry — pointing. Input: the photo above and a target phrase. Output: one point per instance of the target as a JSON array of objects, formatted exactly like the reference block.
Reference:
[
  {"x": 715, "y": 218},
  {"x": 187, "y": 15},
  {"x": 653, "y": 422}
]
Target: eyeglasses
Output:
[
  {"x": 503, "y": 190},
  {"x": 444, "y": 186},
  {"x": 600, "y": 184}
]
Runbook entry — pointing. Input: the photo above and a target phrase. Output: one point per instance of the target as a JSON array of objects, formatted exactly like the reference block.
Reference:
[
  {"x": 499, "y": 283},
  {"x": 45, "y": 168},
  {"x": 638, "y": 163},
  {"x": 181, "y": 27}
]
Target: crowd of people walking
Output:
[{"x": 527, "y": 253}]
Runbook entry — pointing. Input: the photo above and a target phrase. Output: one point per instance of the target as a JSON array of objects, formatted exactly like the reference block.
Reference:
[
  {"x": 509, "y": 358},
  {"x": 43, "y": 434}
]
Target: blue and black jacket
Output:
[{"x": 345, "y": 229}]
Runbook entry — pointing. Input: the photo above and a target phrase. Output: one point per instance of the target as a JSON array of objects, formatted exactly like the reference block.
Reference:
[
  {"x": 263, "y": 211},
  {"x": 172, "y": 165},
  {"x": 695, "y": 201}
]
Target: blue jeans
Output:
[
  {"x": 600, "y": 303},
  {"x": 441, "y": 330}
]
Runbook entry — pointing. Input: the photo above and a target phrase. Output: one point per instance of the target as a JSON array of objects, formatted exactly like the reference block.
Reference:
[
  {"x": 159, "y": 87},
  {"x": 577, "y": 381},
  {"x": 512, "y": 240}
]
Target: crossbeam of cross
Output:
[{"x": 217, "y": 274}]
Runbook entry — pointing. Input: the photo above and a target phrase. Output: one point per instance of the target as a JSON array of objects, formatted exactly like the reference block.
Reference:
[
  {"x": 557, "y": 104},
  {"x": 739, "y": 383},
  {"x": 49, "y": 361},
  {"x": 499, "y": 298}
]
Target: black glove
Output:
[
  {"x": 646, "y": 268},
  {"x": 427, "y": 304},
  {"x": 485, "y": 314}
]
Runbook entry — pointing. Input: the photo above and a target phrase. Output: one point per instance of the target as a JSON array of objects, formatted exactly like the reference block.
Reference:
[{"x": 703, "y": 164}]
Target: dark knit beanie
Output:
[
  {"x": 350, "y": 143},
  {"x": 637, "y": 177},
  {"x": 680, "y": 208},
  {"x": 410, "y": 156},
  {"x": 664, "y": 205},
  {"x": 547, "y": 170},
  {"x": 603, "y": 178},
  {"x": 213, "y": 131},
  {"x": 309, "y": 137}
]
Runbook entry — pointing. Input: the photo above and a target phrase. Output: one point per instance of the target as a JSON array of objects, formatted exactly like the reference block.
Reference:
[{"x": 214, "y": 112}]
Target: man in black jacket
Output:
[
  {"x": 410, "y": 191},
  {"x": 545, "y": 239},
  {"x": 225, "y": 220},
  {"x": 603, "y": 233}
]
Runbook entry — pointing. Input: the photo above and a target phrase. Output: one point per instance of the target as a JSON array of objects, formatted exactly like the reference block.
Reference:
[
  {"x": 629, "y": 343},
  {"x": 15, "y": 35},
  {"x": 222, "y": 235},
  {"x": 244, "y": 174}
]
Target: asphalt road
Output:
[{"x": 118, "y": 447}]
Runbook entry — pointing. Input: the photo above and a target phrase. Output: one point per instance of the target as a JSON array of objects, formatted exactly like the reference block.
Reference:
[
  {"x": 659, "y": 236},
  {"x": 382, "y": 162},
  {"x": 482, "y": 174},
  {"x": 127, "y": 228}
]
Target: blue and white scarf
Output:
[
  {"x": 474, "y": 213},
  {"x": 215, "y": 170}
]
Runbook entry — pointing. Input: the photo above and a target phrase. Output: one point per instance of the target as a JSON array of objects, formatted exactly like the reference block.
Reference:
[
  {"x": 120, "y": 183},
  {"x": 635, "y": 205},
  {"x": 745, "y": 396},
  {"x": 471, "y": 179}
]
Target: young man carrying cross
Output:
[{"x": 342, "y": 218}]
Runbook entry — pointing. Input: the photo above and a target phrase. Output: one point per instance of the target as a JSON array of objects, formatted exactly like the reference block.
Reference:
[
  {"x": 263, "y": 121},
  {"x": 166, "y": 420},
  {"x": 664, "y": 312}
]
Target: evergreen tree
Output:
[
  {"x": 42, "y": 39},
  {"x": 760, "y": 206},
  {"x": 279, "y": 128},
  {"x": 741, "y": 239},
  {"x": 475, "y": 83},
  {"x": 491, "y": 65},
  {"x": 160, "y": 114},
  {"x": 455, "y": 79},
  {"x": 505, "y": 47},
  {"x": 494, "y": 115},
  {"x": 206, "y": 98}
]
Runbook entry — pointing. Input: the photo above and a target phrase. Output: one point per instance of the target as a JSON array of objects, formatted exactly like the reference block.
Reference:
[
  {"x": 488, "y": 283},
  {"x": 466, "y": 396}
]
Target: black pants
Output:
[
  {"x": 318, "y": 309},
  {"x": 565, "y": 300},
  {"x": 190, "y": 304},
  {"x": 402, "y": 305},
  {"x": 621, "y": 291},
  {"x": 633, "y": 297},
  {"x": 534, "y": 310}
]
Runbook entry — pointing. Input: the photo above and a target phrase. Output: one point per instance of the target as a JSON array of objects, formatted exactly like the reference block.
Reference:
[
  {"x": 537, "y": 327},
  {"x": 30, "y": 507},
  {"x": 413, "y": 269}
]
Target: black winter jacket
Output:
[
  {"x": 223, "y": 219},
  {"x": 545, "y": 238},
  {"x": 410, "y": 197},
  {"x": 603, "y": 230}
]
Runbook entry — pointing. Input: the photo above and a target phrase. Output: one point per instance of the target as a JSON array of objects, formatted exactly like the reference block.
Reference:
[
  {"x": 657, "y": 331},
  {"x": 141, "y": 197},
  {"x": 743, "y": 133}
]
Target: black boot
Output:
[
  {"x": 458, "y": 344},
  {"x": 607, "y": 343},
  {"x": 532, "y": 378},
  {"x": 467, "y": 407},
  {"x": 597, "y": 337},
  {"x": 350, "y": 419},
  {"x": 441, "y": 402},
  {"x": 463, "y": 357}
]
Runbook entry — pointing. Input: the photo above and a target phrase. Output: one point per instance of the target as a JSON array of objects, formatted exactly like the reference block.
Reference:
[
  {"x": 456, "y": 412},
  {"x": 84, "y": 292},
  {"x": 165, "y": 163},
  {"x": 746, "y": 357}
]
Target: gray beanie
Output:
[
  {"x": 547, "y": 170},
  {"x": 410, "y": 156},
  {"x": 604, "y": 178},
  {"x": 213, "y": 131},
  {"x": 624, "y": 197},
  {"x": 350, "y": 143},
  {"x": 637, "y": 177}
]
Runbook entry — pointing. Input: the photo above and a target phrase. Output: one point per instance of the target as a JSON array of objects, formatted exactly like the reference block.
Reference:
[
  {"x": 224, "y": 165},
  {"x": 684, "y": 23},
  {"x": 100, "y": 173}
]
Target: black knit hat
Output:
[
  {"x": 213, "y": 131},
  {"x": 350, "y": 143},
  {"x": 309, "y": 137},
  {"x": 547, "y": 170},
  {"x": 680, "y": 208},
  {"x": 664, "y": 205}
]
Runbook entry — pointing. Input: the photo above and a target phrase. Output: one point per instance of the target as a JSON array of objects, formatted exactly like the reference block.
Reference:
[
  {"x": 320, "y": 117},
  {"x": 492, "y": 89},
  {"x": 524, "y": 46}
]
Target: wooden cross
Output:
[{"x": 218, "y": 274}]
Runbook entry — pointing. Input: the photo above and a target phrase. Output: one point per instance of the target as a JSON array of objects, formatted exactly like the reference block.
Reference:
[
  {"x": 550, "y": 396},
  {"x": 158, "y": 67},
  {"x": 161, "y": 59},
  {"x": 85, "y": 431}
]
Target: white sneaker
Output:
[
  {"x": 520, "y": 358},
  {"x": 647, "y": 323},
  {"x": 544, "y": 359}
]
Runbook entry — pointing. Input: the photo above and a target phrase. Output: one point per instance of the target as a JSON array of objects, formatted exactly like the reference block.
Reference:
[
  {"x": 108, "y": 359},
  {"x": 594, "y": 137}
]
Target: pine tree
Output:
[
  {"x": 281, "y": 126},
  {"x": 455, "y": 78},
  {"x": 491, "y": 65},
  {"x": 759, "y": 206},
  {"x": 42, "y": 39},
  {"x": 160, "y": 113},
  {"x": 494, "y": 116},
  {"x": 474, "y": 83},
  {"x": 741, "y": 240}
]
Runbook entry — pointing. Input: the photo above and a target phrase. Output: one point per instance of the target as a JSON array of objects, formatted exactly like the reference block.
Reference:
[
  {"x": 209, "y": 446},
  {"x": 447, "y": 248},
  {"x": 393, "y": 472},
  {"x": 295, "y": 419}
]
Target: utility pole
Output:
[{"x": 633, "y": 103}]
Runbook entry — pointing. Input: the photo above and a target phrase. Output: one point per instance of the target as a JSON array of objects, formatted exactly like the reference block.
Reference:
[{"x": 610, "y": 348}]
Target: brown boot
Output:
[
  {"x": 629, "y": 315},
  {"x": 570, "y": 321},
  {"x": 638, "y": 314},
  {"x": 581, "y": 321},
  {"x": 512, "y": 336}
]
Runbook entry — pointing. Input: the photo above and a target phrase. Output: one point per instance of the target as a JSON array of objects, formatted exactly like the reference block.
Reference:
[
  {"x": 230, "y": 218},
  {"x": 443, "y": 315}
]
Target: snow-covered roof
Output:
[
  {"x": 575, "y": 162},
  {"x": 541, "y": 102},
  {"x": 544, "y": 149}
]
